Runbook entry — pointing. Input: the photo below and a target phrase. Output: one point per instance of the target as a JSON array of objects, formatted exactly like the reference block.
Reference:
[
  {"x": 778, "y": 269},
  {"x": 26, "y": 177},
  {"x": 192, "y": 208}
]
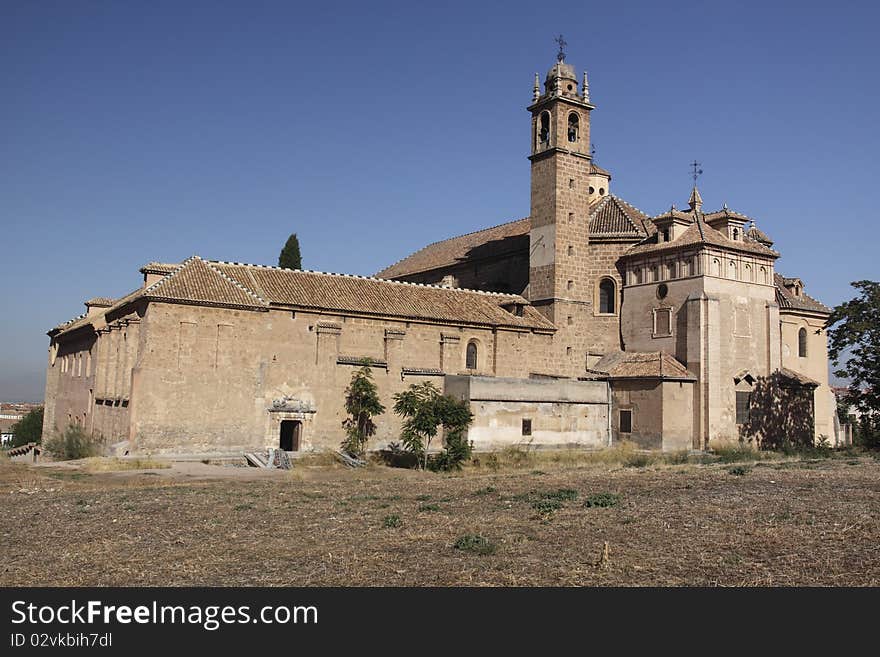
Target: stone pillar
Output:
[
  {"x": 393, "y": 350},
  {"x": 774, "y": 339},
  {"x": 450, "y": 353}
]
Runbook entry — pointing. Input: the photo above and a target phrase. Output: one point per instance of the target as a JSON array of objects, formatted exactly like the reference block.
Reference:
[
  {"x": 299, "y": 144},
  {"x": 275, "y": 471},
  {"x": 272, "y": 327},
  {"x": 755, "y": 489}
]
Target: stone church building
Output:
[{"x": 586, "y": 323}]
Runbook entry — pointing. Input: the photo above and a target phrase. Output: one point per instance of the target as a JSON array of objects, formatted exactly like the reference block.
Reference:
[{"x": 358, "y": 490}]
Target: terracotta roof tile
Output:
[
  {"x": 358, "y": 294},
  {"x": 457, "y": 249},
  {"x": 700, "y": 233},
  {"x": 196, "y": 281},
  {"x": 797, "y": 377},
  {"x": 100, "y": 302},
  {"x": 614, "y": 217},
  {"x": 786, "y": 299},
  {"x": 642, "y": 365},
  {"x": 199, "y": 282}
]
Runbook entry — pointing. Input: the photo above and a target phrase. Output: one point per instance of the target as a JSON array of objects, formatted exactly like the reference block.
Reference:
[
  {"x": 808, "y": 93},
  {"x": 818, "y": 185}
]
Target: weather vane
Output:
[
  {"x": 697, "y": 171},
  {"x": 560, "y": 56}
]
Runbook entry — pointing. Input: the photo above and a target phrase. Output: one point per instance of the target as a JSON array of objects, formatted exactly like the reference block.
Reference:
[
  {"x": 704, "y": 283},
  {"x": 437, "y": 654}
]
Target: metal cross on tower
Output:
[
  {"x": 560, "y": 56},
  {"x": 697, "y": 171}
]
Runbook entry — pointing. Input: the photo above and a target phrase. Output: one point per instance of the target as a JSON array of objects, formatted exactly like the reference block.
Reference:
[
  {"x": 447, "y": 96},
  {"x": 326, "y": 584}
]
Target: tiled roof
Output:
[
  {"x": 614, "y": 217},
  {"x": 725, "y": 212},
  {"x": 596, "y": 169},
  {"x": 358, "y": 294},
  {"x": 609, "y": 217},
  {"x": 159, "y": 268},
  {"x": 456, "y": 249},
  {"x": 759, "y": 235},
  {"x": 786, "y": 299},
  {"x": 701, "y": 233},
  {"x": 84, "y": 320},
  {"x": 797, "y": 377},
  {"x": 256, "y": 287},
  {"x": 642, "y": 365},
  {"x": 100, "y": 302},
  {"x": 197, "y": 281}
]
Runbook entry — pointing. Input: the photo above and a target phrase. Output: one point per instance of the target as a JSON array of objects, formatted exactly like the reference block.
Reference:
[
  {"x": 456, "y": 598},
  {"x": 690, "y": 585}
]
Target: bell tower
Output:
[{"x": 560, "y": 200}]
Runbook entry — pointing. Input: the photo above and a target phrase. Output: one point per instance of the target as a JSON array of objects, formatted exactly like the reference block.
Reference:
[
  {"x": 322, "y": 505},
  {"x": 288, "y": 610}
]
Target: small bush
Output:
[
  {"x": 475, "y": 543},
  {"x": 485, "y": 491},
  {"x": 546, "y": 506},
  {"x": 739, "y": 470},
  {"x": 638, "y": 460},
  {"x": 677, "y": 458},
  {"x": 429, "y": 507},
  {"x": 602, "y": 500},
  {"x": 423, "y": 498},
  {"x": 562, "y": 495},
  {"x": 392, "y": 521},
  {"x": 74, "y": 443},
  {"x": 736, "y": 453}
]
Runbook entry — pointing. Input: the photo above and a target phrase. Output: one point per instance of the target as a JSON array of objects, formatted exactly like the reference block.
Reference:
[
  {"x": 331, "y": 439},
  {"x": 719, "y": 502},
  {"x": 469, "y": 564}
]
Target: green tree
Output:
[
  {"x": 362, "y": 405},
  {"x": 28, "y": 429},
  {"x": 854, "y": 344},
  {"x": 425, "y": 410},
  {"x": 290, "y": 258}
]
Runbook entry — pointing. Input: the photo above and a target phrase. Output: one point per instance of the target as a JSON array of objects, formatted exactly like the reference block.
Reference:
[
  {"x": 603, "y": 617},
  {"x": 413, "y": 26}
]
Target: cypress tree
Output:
[{"x": 290, "y": 257}]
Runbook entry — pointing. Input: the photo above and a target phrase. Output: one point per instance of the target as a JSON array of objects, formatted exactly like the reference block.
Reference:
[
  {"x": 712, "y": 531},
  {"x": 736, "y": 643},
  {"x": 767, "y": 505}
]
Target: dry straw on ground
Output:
[{"x": 784, "y": 522}]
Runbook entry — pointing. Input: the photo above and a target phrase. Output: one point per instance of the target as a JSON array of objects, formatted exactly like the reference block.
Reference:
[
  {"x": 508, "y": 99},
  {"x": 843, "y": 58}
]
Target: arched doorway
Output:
[{"x": 290, "y": 435}]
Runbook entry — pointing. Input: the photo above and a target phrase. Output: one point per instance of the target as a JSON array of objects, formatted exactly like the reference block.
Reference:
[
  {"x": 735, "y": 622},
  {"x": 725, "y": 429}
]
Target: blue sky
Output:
[{"x": 132, "y": 132}]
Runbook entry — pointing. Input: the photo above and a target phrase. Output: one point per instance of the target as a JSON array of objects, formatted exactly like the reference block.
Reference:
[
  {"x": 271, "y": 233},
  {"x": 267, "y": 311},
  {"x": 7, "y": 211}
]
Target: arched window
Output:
[
  {"x": 607, "y": 297},
  {"x": 544, "y": 129},
  {"x": 716, "y": 267},
  {"x": 763, "y": 275},
  {"x": 573, "y": 124},
  {"x": 735, "y": 233},
  {"x": 471, "y": 356},
  {"x": 802, "y": 343},
  {"x": 732, "y": 270}
]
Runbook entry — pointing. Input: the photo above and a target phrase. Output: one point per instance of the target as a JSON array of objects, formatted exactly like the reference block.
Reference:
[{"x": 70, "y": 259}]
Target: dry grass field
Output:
[{"x": 557, "y": 521}]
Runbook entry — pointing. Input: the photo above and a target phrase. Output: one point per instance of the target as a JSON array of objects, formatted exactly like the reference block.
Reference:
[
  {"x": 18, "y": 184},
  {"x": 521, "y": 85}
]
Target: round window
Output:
[
  {"x": 601, "y": 191},
  {"x": 662, "y": 291},
  {"x": 569, "y": 87},
  {"x": 592, "y": 190}
]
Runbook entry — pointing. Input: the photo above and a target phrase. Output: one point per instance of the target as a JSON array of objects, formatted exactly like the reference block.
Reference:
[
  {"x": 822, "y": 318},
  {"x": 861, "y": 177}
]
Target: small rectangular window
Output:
[
  {"x": 662, "y": 322},
  {"x": 626, "y": 421},
  {"x": 526, "y": 427},
  {"x": 743, "y": 403}
]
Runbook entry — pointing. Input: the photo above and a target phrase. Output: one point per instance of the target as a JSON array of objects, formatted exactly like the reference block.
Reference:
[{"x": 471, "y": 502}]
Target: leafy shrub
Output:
[
  {"x": 392, "y": 521},
  {"x": 739, "y": 470},
  {"x": 475, "y": 543},
  {"x": 561, "y": 495},
  {"x": 424, "y": 410},
  {"x": 429, "y": 507},
  {"x": 74, "y": 443},
  {"x": 602, "y": 500},
  {"x": 362, "y": 404},
  {"x": 546, "y": 506},
  {"x": 28, "y": 429}
]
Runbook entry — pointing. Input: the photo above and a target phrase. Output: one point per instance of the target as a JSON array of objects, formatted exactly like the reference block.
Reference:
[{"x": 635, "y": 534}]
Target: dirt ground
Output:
[{"x": 770, "y": 523}]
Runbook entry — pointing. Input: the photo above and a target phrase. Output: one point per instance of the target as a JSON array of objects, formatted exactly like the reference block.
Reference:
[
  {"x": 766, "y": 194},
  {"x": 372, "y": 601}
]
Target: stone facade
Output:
[{"x": 591, "y": 323}]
